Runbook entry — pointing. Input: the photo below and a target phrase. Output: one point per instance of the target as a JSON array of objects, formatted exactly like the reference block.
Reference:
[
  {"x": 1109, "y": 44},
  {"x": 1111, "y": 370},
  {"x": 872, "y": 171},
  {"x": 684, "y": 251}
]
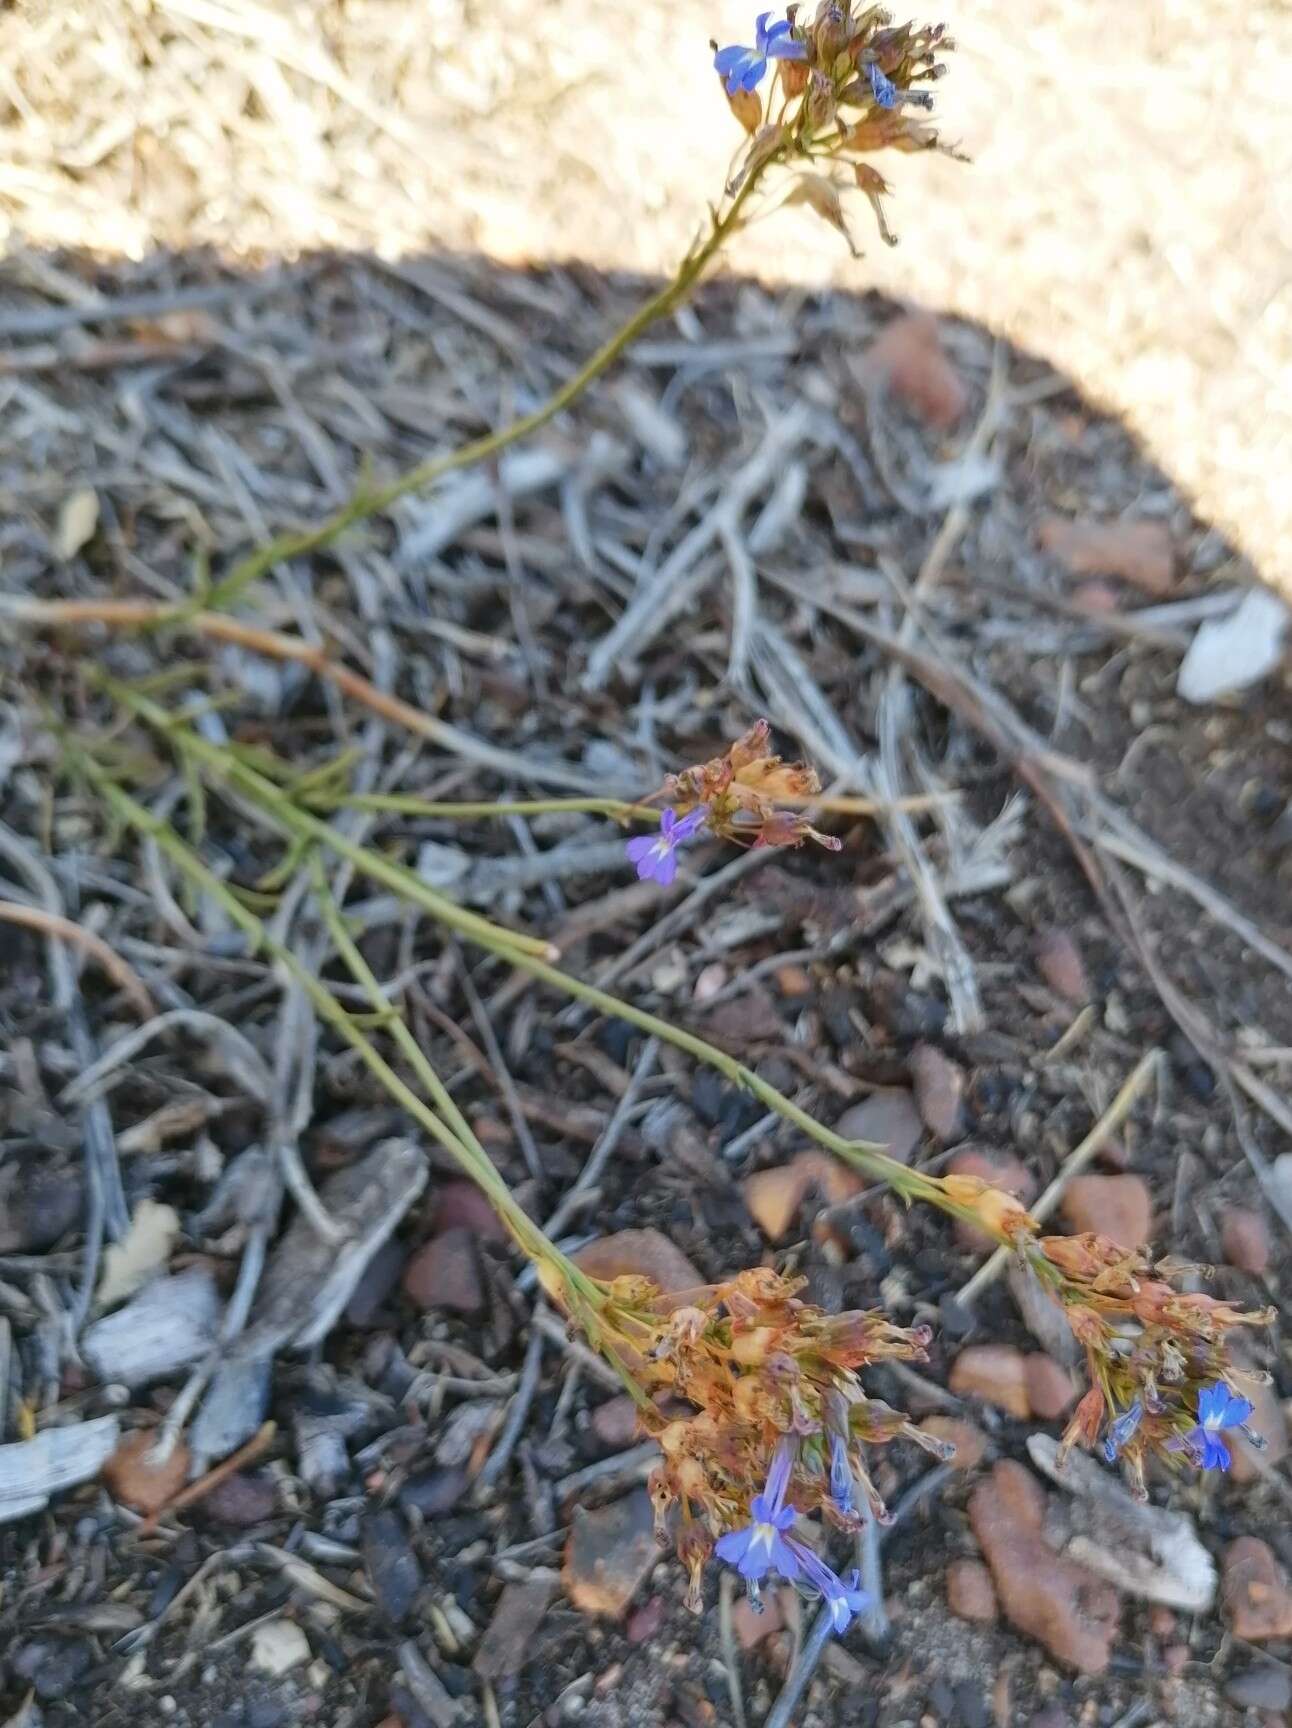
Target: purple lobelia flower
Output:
[
  {"x": 743, "y": 68},
  {"x": 761, "y": 1546},
  {"x": 1218, "y": 1408},
  {"x": 1122, "y": 1430},
  {"x": 843, "y": 1598},
  {"x": 841, "y": 1477},
  {"x": 655, "y": 855}
]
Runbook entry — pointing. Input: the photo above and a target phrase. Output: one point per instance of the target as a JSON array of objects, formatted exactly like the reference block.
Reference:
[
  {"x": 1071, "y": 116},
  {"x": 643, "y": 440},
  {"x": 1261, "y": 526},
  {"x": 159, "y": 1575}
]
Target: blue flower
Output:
[
  {"x": 882, "y": 87},
  {"x": 1218, "y": 1408},
  {"x": 843, "y": 1597},
  {"x": 655, "y": 855},
  {"x": 841, "y": 1479},
  {"x": 743, "y": 68},
  {"x": 1122, "y": 1430},
  {"x": 761, "y": 1546}
]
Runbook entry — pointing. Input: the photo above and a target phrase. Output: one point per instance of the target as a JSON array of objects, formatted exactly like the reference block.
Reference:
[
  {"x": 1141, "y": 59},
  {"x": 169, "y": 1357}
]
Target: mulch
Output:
[{"x": 744, "y": 519}]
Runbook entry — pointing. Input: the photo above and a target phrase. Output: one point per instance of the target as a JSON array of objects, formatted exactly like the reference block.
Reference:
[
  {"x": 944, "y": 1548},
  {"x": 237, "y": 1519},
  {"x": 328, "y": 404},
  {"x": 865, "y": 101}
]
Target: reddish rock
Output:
[
  {"x": 1071, "y": 1611},
  {"x": 994, "y": 1373},
  {"x": 908, "y": 354},
  {"x": 1051, "y": 1390},
  {"x": 1099, "y": 598},
  {"x": 1118, "y": 1207},
  {"x": 1257, "y": 1599},
  {"x": 132, "y": 1477},
  {"x": 888, "y": 1118},
  {"x": 645, "y": 1622},
  {"x": 639, "y": 1253},
  {"x": 775, "y": 1196},
  {"x": 1059, "y": 962},
  {"x": 445, "y": 1273},
  {"x": 1245, "y": 1238},
  {"x": 1138, "y": 552},
  {"x": 242, "y": 1499},
  {"x": 968, "y": 1439},
  {"x": 752, "y": 1628},
  {"x": 615, "y": 1422},
  {"x": 939, "y": 1091},
  {"x": 999, "y": 1169},
  {"x": 1176, "y": 1658},
  {"x": 1269, "y": 1422},
  {"x": 970, "y": 1591},
  {"x": 463, "y": 1206},
  {"x": 793, "y": 981},
  {"x": 610, "y": 1554}
]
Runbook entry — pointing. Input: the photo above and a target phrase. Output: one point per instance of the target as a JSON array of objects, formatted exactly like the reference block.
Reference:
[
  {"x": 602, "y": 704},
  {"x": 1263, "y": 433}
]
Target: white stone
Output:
[
  {"x": 1235, "y": 652},
  {"x": 278, "y": 1647}
]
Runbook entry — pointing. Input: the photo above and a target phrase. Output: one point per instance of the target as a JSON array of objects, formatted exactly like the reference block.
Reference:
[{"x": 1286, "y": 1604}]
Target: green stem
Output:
[
  {"x": 367, "y": 503},
  {"x": 455, "y": 1135},
  {"x": 405, "y": 804},
  {"x": 529, "y": 1238},
  {"x": 871, "y": 1159},
  {"x": 227, "y": 765}
]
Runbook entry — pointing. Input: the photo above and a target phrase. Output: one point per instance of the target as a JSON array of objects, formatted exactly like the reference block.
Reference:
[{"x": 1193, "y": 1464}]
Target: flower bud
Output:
[
  {"x": 747, "y": 106},
  {"x": 820, "y": 101},
  {"x": 794, "y": 77},
  {"x": 830, "y": 32},
  {"x": 661, "y": 1499},
  {"x": 694, "y": 1546},
  {"x": 999, "y": 1213},
  {"x": 1086, "y": 1421}
]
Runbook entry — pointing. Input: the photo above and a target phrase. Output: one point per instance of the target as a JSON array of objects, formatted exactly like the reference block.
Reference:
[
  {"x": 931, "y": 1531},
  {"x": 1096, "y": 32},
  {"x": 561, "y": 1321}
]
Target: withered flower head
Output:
[
  {"x": 1158, "y": 1357},
  {"x": 744, "y": 793},
  {"x": 765, "y": 1417},
  {"x": 848, "y": 81}
]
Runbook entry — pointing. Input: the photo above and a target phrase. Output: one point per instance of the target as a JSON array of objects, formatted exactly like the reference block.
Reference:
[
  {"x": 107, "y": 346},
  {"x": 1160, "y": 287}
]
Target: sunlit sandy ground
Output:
[{"x": 1128, "y": 212}]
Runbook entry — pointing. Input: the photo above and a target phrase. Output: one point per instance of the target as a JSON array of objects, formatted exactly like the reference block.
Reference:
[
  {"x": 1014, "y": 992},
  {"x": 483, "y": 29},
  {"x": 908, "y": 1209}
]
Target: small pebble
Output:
[
  {"x": 970, "y": 1591},
  {"x": 1245, "y": 1238},
  {"x": 279, "y": 1646},
  {"x": 241, "y": 1499},
  {"x": 132, "y": 1477},
  {"x": 1060, "y": 964}
]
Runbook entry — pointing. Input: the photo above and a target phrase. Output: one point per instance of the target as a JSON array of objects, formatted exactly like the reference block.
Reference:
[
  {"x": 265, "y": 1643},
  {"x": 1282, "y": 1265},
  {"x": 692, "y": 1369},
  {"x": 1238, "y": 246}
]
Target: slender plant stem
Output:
[
  {"x": 371, "y": 501},
  {"x": 620, "y": 809},
  {"x": 869, "y": 1158},
  {"x": 465, "y": 1148},
  {"x": 534, "y": 1243},
  {"x": 226, "y": 764}
]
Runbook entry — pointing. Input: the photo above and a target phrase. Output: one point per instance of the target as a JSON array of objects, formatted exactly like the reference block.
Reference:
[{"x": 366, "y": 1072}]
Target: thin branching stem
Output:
[
  {"x": 372, "y": 500},
  {"x": 523, "y": 952}
]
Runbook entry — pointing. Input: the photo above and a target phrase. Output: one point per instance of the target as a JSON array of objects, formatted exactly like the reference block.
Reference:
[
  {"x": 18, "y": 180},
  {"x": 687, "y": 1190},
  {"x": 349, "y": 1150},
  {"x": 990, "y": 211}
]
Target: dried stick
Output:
[
  {"x": 259, "y": 1443},
  {"x": 52, "y": 924},
  {"x": 1073, "y": 1165}
]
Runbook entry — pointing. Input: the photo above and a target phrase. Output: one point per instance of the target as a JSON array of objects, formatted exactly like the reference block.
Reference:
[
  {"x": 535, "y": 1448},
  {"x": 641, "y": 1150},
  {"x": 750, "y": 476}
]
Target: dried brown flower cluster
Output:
[
  {"x": 732, "y": 1372},
  {"x": 744, "y": 792},
  {"x": 844, "y": 82},
  {"x": 1156, "y": 1355}
]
